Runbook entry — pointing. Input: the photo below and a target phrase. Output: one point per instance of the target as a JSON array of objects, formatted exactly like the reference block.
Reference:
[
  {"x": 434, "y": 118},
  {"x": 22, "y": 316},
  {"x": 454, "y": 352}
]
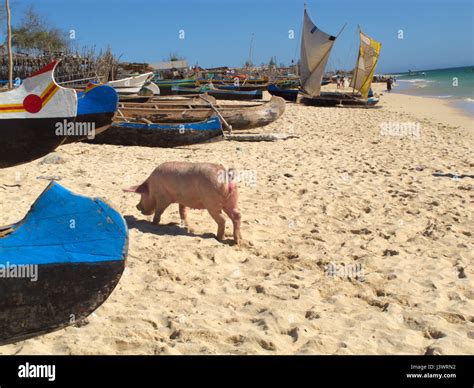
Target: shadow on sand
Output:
[{"x": 171, "y": 229}]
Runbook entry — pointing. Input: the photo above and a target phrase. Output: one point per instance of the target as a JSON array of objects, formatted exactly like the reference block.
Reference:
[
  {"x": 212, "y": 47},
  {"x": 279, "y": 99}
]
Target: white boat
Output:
[{"x": 131, "y": 85}]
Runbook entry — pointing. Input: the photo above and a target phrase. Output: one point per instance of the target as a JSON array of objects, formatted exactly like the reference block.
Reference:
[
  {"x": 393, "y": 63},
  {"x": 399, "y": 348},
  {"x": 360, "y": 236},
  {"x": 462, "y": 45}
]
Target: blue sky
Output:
[{"x": 437, "y": 33}]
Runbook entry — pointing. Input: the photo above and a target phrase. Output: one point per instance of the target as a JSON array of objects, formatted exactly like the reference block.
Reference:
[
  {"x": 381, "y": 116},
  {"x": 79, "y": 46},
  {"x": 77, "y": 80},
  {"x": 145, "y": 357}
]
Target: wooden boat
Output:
[
  {"x": 287, "y": 94},
  {"x": 157, "y": 103},
  {"x": 133, "y": 133},
  {"x": 58, "y": 264},
  {"x": 96, "y": 108},
  {"x": 330, "y": 99},
  {"x": 134, "y": 98},
  {"x": 220, "y": 94},
  {"x": 130, "y": 85},
  {"x": 166, "y": 84},
  {"x": 29, "y": 116},
  {"x": 239, "y": 116},
  {"x": 230, "y": 81},
  {"x": 243, "y": 87}
]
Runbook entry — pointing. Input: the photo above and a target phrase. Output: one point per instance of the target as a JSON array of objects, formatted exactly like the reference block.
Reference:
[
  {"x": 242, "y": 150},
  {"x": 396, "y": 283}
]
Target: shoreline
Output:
[{"x": 459, "y": 103}]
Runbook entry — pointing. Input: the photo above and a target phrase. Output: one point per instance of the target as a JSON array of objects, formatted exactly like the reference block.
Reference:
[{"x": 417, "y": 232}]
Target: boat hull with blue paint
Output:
[
  {"x": 96, "y": 108},
  {"x": 286, "y": 94},
  {"x": 220, "y": 94},
  {"x": 59, "y": 264},
  {"x": 160, "y": 135}
]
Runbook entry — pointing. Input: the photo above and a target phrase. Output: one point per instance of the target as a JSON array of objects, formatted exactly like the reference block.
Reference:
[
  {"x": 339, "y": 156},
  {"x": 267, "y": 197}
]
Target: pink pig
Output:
[{"x": 192, "y": 185}]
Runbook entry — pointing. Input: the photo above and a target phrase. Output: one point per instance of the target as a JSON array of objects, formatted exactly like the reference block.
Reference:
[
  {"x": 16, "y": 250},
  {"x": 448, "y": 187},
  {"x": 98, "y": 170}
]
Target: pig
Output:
[{"x": 192, "y": 185}]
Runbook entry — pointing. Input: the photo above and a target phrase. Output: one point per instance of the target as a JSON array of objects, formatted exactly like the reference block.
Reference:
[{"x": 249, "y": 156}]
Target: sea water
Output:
[{"x": 454, "y": 84}]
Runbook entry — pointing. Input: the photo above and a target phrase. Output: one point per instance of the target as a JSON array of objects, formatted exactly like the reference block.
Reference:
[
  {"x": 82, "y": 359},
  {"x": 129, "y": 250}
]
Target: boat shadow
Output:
[{"x": 171, "y": 229}]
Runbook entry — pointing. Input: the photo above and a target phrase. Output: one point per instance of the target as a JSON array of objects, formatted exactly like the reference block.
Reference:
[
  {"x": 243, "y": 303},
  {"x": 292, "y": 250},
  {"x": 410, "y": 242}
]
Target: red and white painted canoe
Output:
[{"x": 30, "y": 116}]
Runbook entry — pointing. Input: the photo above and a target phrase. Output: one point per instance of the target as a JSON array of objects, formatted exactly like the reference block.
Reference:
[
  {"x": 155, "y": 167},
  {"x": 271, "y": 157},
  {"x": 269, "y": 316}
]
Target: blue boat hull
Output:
[
  {"x": 160, "y": 135},
  {"x": 221, "y": 94},
  {"x": 59, "y": 264},
  {"x": 287, "y": 94},
  {"x": 96, "y": 108}
]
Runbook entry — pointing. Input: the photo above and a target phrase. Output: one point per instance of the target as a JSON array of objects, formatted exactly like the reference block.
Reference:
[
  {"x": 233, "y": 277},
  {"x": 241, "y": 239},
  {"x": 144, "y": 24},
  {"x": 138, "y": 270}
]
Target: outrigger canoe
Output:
[
  {"x": 58, "y": 264},
  {"x": 135, "y": 133},
  {"x": 29, "y": 117}
]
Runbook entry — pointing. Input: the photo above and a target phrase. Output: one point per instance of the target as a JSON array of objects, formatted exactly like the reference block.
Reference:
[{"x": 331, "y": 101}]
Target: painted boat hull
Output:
[
  {"x": 96, "y": 108},
  {"x": 160, "y": 135},
  {"x": 241, "y": 117},
  {"x": 77, "y": 267},
  {"x": 222, "y": 94},
  {"x": 30, "y": 115},
  {"x": 242, "y": 87},
  {"x": 167, "y": 85},
  {"x": 286, "y": 94},
  {"x": 130, "y": 85}
]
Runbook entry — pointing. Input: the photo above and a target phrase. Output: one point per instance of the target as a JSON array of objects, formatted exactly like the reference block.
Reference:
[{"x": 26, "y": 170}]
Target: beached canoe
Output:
[
  {"x": 166, "y": 84},
  {"x": 142, "y": 134},
  {"x": 334, "y": 99},
  {"x": 242, "y": 87},
  {"x": 239, "y": 116},
  {"x": 96, "y": 108},
  {"x": 30, "y": 116},
  {"x": 58, "y": 264},
  {"x": 157, "y": 103},
  {"x": 220, "y": 94},
  {"x": 287, "y": 94},
  {"x": 131, "y": 85}
]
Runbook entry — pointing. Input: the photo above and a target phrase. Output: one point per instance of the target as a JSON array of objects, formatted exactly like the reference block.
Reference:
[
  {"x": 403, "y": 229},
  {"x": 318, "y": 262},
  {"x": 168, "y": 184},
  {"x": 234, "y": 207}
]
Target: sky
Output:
[{"x": 436, "y": 33}]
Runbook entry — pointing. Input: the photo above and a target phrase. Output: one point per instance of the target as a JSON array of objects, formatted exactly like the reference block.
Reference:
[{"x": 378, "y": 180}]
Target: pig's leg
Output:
[
  {"x": 219, "y": 218},
  {"x": 159, "y": 211},
  {"x": 236, "y": 218},
  {"x": 183, "y": 214}
]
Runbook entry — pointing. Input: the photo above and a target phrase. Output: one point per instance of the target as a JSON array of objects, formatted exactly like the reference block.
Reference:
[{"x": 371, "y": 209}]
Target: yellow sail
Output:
[{"x": 364, "y": 72}]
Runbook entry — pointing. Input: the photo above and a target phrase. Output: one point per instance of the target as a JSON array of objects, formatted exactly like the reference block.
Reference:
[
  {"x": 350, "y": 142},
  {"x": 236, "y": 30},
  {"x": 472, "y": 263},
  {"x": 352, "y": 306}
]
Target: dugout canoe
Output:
[
  {"x": 29, "y": 116},
  {"x": 286, "y": 94},
  {"x": 134, "y": 133},
  {"x": 220, "y": 94},
  {"x": 239, "y": 116},
  {"x": 58, "y": 264},
  {"x": 96, "y": 108}
]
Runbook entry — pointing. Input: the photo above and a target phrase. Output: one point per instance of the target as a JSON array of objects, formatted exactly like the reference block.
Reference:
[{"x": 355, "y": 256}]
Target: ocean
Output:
[{"x": 454, "y": 84}]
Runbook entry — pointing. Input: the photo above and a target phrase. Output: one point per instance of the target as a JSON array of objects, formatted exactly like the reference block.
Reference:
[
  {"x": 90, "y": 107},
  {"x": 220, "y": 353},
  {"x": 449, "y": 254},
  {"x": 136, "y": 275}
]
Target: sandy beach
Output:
[{"x": 351, "y": 244}]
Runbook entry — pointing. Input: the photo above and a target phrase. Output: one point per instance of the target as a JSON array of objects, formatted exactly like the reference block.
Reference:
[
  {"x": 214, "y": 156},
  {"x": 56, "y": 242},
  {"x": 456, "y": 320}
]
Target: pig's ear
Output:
[{"x": 140, "y": 189}]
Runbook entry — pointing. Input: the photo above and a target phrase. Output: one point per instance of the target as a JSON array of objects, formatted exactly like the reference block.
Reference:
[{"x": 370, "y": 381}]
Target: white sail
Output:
[
  {"x": 316, "y": 47},
  {"x": 369, "y": 51}
]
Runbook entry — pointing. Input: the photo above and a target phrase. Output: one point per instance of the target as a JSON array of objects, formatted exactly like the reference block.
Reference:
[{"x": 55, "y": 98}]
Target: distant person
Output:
[{"x": 389, "y": 84}]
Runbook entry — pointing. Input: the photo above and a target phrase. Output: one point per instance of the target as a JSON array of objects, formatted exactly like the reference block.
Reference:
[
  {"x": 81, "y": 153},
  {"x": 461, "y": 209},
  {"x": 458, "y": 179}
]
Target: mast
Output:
[
  {"x": 10, "y": 54},
  {"x": 357, "y": 65},
  {"x": 250, "y": 51}
]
